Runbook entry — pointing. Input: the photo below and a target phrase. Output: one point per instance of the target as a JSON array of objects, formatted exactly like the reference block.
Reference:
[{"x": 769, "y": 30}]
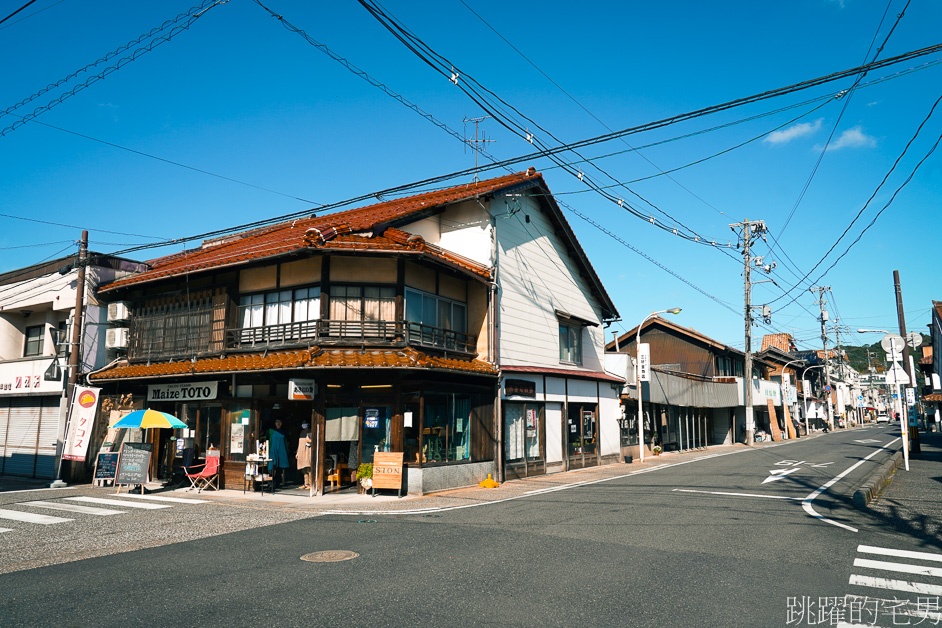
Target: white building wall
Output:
[{"x": 537, "y": 277}]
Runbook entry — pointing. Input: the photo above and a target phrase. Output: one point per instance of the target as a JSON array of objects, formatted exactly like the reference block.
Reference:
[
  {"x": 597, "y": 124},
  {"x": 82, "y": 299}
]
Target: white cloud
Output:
[
  {"x": 793, "y": 132},
  {"x": 852, "y": 138}
]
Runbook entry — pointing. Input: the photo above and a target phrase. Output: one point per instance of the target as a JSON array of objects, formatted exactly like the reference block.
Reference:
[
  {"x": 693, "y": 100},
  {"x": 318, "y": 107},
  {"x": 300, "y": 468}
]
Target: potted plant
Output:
[
  {"x": 365, "y": 476},
  {"x": 657, "y": 450}
]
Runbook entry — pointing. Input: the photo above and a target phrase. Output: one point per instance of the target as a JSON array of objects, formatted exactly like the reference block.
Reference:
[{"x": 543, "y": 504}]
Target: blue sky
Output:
[{"x": 240, "y": 96}]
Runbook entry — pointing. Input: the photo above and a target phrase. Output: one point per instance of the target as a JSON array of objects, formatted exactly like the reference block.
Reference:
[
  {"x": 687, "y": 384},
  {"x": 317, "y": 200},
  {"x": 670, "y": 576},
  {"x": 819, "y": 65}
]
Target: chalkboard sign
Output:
[
  {"x": 106, "y": 466},
  {"x": 133, "y": 463}
]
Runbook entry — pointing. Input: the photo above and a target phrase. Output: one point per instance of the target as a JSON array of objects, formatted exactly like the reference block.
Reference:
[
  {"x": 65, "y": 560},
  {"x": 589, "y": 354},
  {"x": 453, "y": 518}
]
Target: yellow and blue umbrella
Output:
[{"x": 146, "y": 419}]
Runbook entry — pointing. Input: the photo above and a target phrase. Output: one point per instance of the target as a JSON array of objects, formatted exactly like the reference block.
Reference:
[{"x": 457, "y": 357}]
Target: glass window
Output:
[
  {"x": 436, "y": 311},
  {"x": 280, "y": 307},
  {"x": 570, "y": 343},
  {"x": 34, "y": 340},
  {"x": 447, "y": 428},
  {"x": 523, "y": 430}
]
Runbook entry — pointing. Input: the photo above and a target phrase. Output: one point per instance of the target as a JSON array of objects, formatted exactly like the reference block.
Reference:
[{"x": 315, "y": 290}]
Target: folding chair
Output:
[{"x": 207, "y": 476}]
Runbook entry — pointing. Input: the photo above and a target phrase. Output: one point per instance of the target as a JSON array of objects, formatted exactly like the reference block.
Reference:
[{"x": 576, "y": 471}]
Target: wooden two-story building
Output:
[{"x": 385, "y": 328}]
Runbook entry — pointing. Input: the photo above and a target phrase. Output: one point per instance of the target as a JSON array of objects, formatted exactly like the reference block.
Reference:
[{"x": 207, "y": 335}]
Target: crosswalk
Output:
[
  {"x": 25, "y": 511},
  {"x": 897, "y": 586}
]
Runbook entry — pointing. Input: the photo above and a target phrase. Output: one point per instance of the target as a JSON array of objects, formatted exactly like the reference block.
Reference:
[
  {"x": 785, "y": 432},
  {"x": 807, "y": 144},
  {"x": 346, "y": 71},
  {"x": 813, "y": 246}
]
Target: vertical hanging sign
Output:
[
  {"x": 644, "y": 362},
  {"x": 82, "y": 418}
]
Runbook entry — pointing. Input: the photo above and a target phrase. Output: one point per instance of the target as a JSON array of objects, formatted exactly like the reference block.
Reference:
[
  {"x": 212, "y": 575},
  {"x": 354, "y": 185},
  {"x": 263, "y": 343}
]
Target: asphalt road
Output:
[{"x": 735, "y": 539}]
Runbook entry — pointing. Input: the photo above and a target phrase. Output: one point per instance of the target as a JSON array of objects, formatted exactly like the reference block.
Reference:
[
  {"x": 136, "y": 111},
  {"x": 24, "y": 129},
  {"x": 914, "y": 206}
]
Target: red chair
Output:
[{"x": 207, "y": 475}]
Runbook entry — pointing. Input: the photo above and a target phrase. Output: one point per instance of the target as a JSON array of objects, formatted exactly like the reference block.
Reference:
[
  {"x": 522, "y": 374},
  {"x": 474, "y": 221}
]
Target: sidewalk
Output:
[{"x": 911, "y": 503}]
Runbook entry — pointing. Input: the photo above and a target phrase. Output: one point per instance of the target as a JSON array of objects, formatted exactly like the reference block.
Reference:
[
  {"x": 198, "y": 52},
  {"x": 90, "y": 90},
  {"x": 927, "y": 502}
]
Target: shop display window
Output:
[
  {"x": 523, "y": 430},
  {"x": 447, "y": 428},
  {"x": 240, "y": 432}
]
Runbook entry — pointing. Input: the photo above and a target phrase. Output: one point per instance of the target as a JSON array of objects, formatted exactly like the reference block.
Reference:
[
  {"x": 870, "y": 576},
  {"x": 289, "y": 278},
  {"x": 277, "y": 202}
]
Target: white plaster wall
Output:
[
  {"x": 464, "y": 228},
  {"x": 585, "y": 391},
  {"x": 554, "y": 432},
  {"x": 609, "y": 413}
]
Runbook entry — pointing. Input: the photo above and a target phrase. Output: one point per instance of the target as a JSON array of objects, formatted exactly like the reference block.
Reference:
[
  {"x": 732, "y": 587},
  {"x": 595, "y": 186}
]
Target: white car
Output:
[{"x": 882, "y": 418}]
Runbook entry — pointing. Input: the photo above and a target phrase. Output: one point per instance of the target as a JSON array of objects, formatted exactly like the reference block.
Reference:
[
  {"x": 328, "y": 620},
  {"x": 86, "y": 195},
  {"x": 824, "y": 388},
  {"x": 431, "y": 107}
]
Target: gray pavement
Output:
[{"x": 911, "y": 503}]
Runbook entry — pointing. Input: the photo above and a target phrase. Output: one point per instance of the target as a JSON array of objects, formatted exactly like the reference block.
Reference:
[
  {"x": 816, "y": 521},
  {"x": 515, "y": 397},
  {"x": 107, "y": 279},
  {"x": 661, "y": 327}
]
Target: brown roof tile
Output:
[
  {"x": 314, "y": 358},
  {"x": 329, "y": 231},
  {"x": 782, "y": 342}
]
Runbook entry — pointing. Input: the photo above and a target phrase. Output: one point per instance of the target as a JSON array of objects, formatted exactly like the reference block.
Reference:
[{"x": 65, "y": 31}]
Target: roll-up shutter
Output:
[
  {"x": 30, "y": 447},
  {"x": 4, "y": 416}
]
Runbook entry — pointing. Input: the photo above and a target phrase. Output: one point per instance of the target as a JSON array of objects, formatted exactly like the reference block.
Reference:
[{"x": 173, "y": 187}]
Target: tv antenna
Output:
[{"x": 478, "y": 142}]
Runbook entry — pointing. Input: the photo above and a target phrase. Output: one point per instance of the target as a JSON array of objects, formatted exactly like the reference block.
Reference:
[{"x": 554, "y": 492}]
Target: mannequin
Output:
[
  {"x": 304, "y": 455},
  {"x": 278, "y": 451}
]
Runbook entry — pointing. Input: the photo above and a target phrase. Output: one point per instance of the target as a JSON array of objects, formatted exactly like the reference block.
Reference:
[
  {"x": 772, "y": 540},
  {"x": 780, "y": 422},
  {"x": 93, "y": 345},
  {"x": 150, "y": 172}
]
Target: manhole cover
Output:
[{"x": 329, "y": 556}]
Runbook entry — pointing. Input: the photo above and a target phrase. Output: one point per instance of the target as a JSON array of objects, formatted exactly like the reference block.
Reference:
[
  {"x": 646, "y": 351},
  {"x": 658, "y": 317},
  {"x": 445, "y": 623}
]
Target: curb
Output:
[{"x": 874, "y": 484}]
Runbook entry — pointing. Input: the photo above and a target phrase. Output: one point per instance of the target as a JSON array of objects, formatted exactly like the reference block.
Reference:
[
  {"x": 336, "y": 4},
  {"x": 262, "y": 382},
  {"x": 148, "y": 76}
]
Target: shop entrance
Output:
[{"x": 582, "y": 435}]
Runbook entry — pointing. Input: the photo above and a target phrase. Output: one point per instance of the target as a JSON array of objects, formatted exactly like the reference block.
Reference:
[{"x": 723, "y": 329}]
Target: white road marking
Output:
[
  {"x": 867, "y": 441},
  {"x": 778, "y": 474},
  {"x": 2, "y": 530},
  {"x": 934, "y": 572},
  {"x": 118, "y": 502},
  {"x": 689, "y": 490},
  {"x": 806, "y": 503},
  {"x": 885, "y": 551},
  {"x": 88, "y": 510},
  {"x": 160, "y": 498},
  {"x": 33, "y": 490},
  {"x": 896, "y": 585},
  {"x": 30, "y": 517}
]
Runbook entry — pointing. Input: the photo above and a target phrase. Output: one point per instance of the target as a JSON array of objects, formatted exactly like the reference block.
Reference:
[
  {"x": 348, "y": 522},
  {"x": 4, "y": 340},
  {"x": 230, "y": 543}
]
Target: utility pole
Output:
[
  {"x": 824, "y": 339},
  {"x": 75, "y": 346},
  {"x": 914, "y": 432},
  {"x": 748, "y": 231}
]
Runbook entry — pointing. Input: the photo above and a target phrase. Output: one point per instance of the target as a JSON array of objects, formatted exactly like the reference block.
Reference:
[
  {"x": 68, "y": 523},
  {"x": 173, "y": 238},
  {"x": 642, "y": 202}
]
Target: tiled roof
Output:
[
  {"x": 360, "y": 228},
  {"x": 314, "y": 358},
  {"x": 782, "y": 342},
  {"x": 607, "y": 377},
  {"x": 934, "y": 397}
]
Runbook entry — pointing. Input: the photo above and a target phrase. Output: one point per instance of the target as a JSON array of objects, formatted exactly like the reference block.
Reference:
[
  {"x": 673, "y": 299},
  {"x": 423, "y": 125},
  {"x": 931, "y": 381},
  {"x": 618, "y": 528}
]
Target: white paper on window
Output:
[{"x": 513, "y": 424}]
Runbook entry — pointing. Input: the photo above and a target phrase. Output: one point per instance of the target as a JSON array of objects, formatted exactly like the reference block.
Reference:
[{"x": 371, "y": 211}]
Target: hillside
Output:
[{"x": 857, "y": 356}]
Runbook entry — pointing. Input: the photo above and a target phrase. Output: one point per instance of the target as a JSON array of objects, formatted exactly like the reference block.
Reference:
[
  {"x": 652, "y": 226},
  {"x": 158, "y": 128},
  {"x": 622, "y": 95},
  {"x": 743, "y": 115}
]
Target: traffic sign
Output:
[
  {"x": 897, "y": 375},
  {"x": 827, "y": 388},
  {"x": 914, "y": 339},
  {"x": 893, "y": 344}
]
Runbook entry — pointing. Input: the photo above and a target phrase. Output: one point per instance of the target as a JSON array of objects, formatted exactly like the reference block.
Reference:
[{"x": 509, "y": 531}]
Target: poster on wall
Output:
[
  {"x": 372, "y": 418},
  {"x": 237, "y": 438},
  {"x": 531, "y": 417}
]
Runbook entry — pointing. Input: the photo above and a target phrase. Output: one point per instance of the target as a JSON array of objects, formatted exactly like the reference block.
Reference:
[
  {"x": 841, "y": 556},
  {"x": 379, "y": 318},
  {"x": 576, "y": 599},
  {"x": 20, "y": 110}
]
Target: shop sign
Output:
[
  {"x": 519, "y": 388},
  {"x": 387, "y": 470},
  {"x": 18, "y": 378},
  {"x": 531, "y": 417},
  {"x": 191, "y": 391},
  {"x": 372, "y": 418},
  {"x": 910, "y": 397},
  {"x": 644, "y": 362},
  {"x": 82, "y": 418},
  {"x": 301, "y": 389}
]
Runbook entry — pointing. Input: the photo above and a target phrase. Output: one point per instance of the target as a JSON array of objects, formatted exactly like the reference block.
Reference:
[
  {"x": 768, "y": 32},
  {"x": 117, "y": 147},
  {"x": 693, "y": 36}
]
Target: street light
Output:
[
  {"x": 904, "y": 427},
  {"x": 673, "y": 310}
]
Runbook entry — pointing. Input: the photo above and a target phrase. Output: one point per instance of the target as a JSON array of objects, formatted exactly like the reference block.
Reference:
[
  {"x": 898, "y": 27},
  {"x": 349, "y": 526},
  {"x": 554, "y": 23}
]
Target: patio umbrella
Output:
[{"x": 146, "y": 419}]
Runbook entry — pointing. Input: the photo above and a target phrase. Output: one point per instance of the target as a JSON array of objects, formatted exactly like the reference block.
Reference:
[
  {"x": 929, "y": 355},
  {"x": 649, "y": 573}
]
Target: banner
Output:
[
  {"x": 81, "y": 419},
  {"x": 644, "y": 362}
]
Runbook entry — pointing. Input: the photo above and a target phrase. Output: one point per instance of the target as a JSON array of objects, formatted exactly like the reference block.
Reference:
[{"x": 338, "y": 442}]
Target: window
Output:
[
  {"x": 280, "y": 307},
  {"x": 435, "y": 311},
  {"x": 362, "y": 303},
  {"x": 34, "y": 340},
  {"x": 447, "y": 428},
  {"x": 570, "y": 343}
]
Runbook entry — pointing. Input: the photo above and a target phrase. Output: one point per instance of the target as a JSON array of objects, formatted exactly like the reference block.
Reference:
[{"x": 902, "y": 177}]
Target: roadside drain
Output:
[{"x": 329, "y": 556}]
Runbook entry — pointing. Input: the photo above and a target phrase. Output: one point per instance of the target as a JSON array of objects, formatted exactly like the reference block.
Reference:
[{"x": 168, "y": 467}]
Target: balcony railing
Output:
[{"x": 321, "y": 332}]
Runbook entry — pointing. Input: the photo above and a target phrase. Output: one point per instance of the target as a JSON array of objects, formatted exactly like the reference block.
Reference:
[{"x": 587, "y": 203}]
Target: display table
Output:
[{"x": 256, "y": 472}]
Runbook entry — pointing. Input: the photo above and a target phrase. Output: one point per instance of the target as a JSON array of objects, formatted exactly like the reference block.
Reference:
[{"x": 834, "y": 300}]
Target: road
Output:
[{"x": 743, "y": 537}]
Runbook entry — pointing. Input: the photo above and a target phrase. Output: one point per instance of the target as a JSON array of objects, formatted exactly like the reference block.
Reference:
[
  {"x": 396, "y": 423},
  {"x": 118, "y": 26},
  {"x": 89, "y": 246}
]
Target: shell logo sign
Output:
[{"x": 87, "y": 399}]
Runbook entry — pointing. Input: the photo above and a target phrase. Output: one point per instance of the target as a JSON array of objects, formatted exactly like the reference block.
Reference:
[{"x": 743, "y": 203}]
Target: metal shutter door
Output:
[
  {"x": 48, "y": 436},
  {"x": 4, "y": 415},
  {"x": 22, "y": 436}
]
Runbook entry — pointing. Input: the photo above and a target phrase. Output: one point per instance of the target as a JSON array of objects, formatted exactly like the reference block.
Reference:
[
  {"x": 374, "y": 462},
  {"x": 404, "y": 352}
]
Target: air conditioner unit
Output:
[
  {"x": 118, "y": 311},
  {"x": 117, "y": 338}
]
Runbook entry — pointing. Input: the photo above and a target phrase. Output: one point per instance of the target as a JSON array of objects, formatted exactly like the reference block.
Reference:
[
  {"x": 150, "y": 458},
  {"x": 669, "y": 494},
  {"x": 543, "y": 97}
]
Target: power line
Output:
[
  {"x": 26, "y": 17},
  {"x": 192, "y": 15},
  {"x": 17, "y": 11},
  {"x": 59, "y": 224},
  {"x": 869, "y": 200}
]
